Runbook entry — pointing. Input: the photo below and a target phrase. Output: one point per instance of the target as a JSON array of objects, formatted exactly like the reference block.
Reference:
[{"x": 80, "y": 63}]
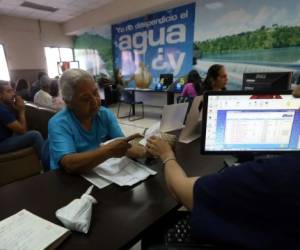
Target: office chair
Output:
[
  {"x": 182, "y": 99},
  {"x": 128, "y": 98}
]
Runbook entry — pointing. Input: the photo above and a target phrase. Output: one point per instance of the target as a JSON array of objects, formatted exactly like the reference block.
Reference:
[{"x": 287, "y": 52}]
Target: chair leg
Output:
[
  {"x": 130, "y": 109},
  {"x": 136, "y": 117},
  {"x": 118, "y": 115}
]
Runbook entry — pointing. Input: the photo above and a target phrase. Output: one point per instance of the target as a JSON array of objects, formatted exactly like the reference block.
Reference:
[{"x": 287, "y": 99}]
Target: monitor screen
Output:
[
  {"x": 166, "y": 79},
  {"x": 246, "y": 121},
  {"x": 267, "y": 81}
]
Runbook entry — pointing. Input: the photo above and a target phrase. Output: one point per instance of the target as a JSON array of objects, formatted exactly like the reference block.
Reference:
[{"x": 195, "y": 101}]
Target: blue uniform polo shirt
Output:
[
  {"x": 66, "y": 136},
  {"x": 255, "y": 205},
  {"x": 7, "y": 116}
]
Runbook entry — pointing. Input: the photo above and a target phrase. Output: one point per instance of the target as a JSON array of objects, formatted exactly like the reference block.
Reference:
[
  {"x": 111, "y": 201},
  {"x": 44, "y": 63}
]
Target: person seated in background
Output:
[
  {"x": 13, "y": 127},
  {"x": 255, "y": 205},
  {"x": 42, "y": 97},
  {"x": 77, "y": 132},
  {"x": 35, "y": 87},
  {"x": 119, "y": 81},
  {"x": 216, "y": 79},
  {"x": 22, "y": 89},
  {"x": 192, "y": 86},
  {"x": 297, "y": 91},
  {"x": 13, "y": 84},
  {"x": 57, "y": 101}
]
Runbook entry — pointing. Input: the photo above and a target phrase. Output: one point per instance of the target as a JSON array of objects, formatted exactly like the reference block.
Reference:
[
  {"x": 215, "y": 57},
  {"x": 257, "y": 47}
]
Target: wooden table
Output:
[{"x": 121, "y": 215}]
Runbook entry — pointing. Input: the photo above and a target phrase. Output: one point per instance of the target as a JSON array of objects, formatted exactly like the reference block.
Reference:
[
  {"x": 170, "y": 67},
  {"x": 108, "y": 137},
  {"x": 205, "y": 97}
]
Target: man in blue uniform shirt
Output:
[
  {"x": 13, "y": 127},
  {"x": 255, "y": 206},
  {"x": 77, "y": 132}
]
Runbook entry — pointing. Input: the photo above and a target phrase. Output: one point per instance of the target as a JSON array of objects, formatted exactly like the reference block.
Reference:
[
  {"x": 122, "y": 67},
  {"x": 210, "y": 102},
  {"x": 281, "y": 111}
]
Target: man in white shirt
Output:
[{"x": 42, "y": 97}]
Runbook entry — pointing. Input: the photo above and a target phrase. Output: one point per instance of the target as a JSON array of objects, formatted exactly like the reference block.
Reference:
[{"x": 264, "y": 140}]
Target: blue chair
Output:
[{"x": 127, "y": 97}]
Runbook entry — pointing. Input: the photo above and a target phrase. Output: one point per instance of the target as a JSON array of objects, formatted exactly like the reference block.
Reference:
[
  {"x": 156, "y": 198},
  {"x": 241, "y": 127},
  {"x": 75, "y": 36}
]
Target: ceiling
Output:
[{"x": 67, "y": 9}]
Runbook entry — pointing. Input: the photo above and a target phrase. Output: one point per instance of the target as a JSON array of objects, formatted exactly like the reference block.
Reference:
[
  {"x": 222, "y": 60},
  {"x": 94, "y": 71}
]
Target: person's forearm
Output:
[
  {"x": 173, "y": 174},
  {"x": 22, "y": 120},
  {"x": 83, "y": 162},
  {"x": 180, "y": 185}
]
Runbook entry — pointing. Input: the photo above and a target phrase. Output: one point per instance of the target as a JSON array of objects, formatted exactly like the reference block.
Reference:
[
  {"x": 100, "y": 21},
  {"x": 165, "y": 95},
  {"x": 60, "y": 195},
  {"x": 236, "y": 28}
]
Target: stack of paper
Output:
[
  {"x": 95, "y": 179},
  {"x": 123, "y": 171},
  {"x": 26, "y": 231}
]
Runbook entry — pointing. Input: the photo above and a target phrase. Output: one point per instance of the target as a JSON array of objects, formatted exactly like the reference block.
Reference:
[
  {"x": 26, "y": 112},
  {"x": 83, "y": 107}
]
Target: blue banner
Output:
[{"x": 160, "y": 43}]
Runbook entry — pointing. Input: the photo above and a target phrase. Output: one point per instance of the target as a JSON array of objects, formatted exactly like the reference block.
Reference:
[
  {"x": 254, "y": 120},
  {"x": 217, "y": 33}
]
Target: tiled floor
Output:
[{"x": 152, "y": 116}]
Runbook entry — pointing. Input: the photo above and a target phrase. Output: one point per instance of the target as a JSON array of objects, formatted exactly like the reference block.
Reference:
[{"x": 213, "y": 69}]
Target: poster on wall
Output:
[
  {"x": 248, "y": 36},
  {"x": 159, "y": 43}
]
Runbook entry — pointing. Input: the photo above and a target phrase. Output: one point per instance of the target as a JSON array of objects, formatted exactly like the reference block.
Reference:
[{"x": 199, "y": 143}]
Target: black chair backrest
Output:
[
  {"x": 38, "y": 117},
  {"x": 182, "y": 99},
  {"x": 127, "y": 97}
]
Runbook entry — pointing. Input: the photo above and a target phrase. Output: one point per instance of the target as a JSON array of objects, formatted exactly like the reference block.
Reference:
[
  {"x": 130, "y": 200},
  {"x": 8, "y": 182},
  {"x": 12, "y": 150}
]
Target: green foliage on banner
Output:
[
  {"x": 103, "y": 45},
  {"x": 263, "y": 38}
]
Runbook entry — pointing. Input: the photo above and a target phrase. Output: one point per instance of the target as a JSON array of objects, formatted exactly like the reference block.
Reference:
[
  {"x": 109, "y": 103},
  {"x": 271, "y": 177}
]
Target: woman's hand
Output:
[{"x": 159, "y": 148}]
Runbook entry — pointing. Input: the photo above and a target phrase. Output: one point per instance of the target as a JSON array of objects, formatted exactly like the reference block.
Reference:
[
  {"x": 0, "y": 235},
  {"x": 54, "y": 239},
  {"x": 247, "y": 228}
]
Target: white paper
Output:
[
  {"x": 96, "y": 180},
  {"x": 123, "y": 171},
  {"x": 153, "y": 130},
  {"x": 26, "y": 231},
  {"x": 173, "y": 117}
]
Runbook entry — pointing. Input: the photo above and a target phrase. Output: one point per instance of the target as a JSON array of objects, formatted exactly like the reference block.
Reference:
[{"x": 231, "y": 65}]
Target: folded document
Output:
[{"x": 123, "y": 171}]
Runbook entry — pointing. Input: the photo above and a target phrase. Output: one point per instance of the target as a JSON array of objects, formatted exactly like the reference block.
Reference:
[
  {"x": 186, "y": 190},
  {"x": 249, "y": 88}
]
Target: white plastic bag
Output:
[{"x": 77, "y": 214}]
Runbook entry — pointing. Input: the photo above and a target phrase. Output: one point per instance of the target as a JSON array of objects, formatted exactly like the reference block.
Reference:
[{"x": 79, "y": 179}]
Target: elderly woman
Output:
[{"x": 77, "y": 132}]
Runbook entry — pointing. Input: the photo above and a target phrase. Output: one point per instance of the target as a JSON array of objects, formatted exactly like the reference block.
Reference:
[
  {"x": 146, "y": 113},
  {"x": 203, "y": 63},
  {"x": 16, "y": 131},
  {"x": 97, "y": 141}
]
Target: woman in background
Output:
[
  {"x": 22, "y": 89},
  {"x": 57, "y": 100},
  {"x": 192, "y": 87},
  {"x": 216, "y": 78}
]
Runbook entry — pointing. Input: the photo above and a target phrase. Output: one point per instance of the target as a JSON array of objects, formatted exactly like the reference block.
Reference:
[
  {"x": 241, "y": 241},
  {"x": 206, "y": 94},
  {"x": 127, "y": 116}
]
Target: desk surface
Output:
[{"x": 121, "y": 215}]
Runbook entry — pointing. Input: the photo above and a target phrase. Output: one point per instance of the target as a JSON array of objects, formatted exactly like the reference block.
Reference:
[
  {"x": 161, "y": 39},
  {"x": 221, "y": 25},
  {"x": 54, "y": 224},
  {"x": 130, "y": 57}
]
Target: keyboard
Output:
[
  {"x": 179, "y": 237},
  {"x": 180, "y": 232}
]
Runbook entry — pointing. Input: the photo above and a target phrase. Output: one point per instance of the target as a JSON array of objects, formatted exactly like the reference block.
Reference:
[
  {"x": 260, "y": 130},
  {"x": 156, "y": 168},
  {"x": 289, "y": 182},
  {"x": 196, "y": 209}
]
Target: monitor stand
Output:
[{"x": 230, "y": 160}]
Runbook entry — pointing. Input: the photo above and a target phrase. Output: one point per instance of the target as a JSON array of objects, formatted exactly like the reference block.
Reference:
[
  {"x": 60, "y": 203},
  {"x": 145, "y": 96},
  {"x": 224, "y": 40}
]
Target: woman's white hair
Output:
[{"x": 70, "y": 79}]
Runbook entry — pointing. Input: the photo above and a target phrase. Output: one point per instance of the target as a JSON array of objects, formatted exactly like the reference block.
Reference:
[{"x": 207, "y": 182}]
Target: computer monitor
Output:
[
  {"x": 267, "y": 81},
  {"x": 166, "y": 79},
  {"x": 236, "y": 122}
]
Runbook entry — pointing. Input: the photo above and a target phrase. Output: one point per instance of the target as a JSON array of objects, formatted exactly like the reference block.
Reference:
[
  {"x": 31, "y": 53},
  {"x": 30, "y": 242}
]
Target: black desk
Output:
[
  {"x": 170, "y": 95},
  {"x": 121, "y": 215}
]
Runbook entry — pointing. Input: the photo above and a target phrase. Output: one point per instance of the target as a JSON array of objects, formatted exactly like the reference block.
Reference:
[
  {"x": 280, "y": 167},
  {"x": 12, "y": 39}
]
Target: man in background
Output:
[
  {"x": 13, "y": 127},
  {"x": 35, "y": 87},
  {"x": 42, "y": 97}
]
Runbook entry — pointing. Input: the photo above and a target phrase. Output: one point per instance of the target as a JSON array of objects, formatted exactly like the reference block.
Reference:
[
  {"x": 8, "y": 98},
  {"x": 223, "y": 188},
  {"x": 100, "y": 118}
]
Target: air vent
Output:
[{"x": 38, "y": 6}]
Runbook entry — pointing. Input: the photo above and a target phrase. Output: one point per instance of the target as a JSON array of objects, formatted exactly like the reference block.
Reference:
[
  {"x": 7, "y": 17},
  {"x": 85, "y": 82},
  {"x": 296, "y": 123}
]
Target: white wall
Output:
[
  {"x": 117, "y": 11},
  {"x": 24, "y": 39}
]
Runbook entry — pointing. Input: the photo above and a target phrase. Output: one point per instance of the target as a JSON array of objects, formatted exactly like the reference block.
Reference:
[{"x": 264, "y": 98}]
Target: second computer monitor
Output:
[
  {"x": 236, "y": 122},
  {"x": 166, "y": 79},
  {"x": 267, "y": 81}
]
